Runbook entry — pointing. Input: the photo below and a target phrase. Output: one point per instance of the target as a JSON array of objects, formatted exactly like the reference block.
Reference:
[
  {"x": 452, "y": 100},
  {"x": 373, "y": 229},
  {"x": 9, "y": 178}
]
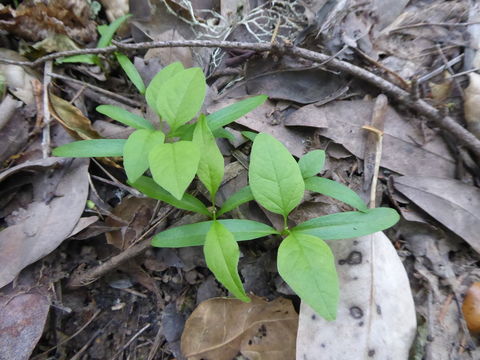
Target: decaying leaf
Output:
[
  {"x": 454, "y": 204},
  {"x": 471, "y": 106},
  {"x": 33, "y": 20},
  {"x": 402, "y": 149},
  {"x": 376, "y": 314},
  {"x": 221, "y": 328},
  {"x": 115, "y": 8},
  {"x": 22, "y": 319},
  {"x": 59, "y": 198},
  {"x": 136, "y": 213}
]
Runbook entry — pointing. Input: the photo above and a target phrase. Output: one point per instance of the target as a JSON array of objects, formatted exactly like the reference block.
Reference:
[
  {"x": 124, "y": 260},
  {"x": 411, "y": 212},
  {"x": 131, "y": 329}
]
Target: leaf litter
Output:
[{"x": 438, "y": 258}]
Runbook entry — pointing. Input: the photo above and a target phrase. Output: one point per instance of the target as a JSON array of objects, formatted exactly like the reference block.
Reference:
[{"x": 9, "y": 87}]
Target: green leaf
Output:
[
  {"x": 131, "y": 72},
  {"x": 188, "y": 202},
  {"x": 136, "y": 150},
  {"x": 233, "y": 112},
  {"x": 107, "y": 33},
  {"x": 194, "y": 234},
  {"x": 242, "y": 196},
  {"x": 174, "y": 166},
  {"x": 312, "y": 163},
  {"x": 84, "y": 58},
  {"x": 91, "y": 148},
  {"x": 184, "y": 132},
  {"x": 221, "y": 255},
  {"x": 152, "y": 92},
  {"x": 335, "y": 190},
  {"x": 250, "y": 135},
  {"x": 349, "y": 224},
  {"x": 223, "y": 133},
  {"x": 307, "y": 264},
  {"x": 274, "y": 175},
  {"x": 211, "y": 165},
  {"x": 181, "y": 97},
  {"x": 125, "y": 117}
]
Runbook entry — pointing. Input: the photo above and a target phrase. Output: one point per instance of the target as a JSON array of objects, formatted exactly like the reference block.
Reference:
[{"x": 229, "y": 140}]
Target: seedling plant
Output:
[{"x": 182, "y": 148}]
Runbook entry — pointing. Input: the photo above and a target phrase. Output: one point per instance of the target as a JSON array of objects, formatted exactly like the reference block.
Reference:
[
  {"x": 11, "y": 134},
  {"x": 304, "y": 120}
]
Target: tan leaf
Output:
[
  {"x": 221, "y": 328},
  {"x": 472, "y": 104}
]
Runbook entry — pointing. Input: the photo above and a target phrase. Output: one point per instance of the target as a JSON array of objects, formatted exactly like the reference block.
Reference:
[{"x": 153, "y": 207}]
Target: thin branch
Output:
[
  {"x": 46, "y": 110},
  {"x": 465, "y": 137},
  {"x": 115, "y": 96}
]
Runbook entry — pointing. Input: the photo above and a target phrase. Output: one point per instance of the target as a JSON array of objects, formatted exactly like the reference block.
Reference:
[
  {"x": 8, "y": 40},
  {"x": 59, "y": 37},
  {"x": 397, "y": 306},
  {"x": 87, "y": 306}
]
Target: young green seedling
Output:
[{"x": 182, "y": 150}]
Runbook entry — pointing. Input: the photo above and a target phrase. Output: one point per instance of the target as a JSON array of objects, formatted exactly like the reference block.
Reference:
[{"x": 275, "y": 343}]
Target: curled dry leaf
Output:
[
  {"x": 376, "y": 314},
  {"x": 471, "y": 307},
  {"x": 342, "y": 121},
  {"x": 59, "y": 197},
  {"x": 22, "y": 319},
  {"x": 221, "y": 328},
  {"x": 451, "y": 202},
  {"x": 136, "y": 213},
  {"x": 34, "y": 21},
  {"x": 471, "y": 105}
]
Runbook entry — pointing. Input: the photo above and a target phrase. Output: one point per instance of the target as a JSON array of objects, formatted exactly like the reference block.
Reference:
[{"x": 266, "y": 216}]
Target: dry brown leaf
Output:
[
  {"x": 59, "y": 197},
  {"x": 341, "y": 122},
  {"x": 36, "y": 21},
  {"x": 22, "y": 319},
  {"x": 471, "y": 105},
  {"x": 72, "y": 119},
  {"x": 136, "y": 213},
  {"x": 221, "y": 328},
  {"x": 471, "y": 307},
  {"x": 454, "y": 204}
]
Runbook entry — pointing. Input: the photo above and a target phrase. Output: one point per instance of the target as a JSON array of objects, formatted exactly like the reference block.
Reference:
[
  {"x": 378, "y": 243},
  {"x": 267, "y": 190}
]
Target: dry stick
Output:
[
  {"x": 89, "y": 321},
  {"x": 93, "y": 274},
  {"x": 117, "y": 97},
  {"x": 46, "y": 110},
  {"x": 423, "y": 108},
  {"x": 130, "y": 341}
]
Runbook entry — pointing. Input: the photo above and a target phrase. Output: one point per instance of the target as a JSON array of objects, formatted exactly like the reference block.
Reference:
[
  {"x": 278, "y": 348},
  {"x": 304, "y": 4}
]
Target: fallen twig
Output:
[{"x": 422, "y": 107}]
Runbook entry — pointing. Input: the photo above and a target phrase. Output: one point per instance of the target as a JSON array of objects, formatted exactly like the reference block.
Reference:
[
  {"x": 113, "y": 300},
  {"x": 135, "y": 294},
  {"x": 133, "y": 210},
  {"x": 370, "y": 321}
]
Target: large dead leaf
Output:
[
  {"x": 376, "y": 314},
  {"x": 221, "y": 328},
  {"x": 402, "y": 149},
  {"x": 59, "y": 198},
  {"x": 34, "y": 20},
  {"x": 280, "y": 81},
  {"x": 454, "y": 204},
  {"x": 22, "y": 319},
  {"x": 14, "y": 128}
]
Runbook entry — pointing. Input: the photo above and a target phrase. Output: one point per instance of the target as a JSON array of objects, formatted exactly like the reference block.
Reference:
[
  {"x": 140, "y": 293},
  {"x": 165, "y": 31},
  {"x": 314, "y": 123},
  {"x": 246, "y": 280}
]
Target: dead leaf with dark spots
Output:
[
  {"x": 34, "y": 21},
  {"x": 59, "y": 197},
  {"x": 221, "y": 328},
  {"x": 404, "y": 151},
  {"x": 136, "y": 214},
  {"x": 454, "y": 204},
  {"x": 22, "y": 319},
  {"x": 376, "y": 314}
]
